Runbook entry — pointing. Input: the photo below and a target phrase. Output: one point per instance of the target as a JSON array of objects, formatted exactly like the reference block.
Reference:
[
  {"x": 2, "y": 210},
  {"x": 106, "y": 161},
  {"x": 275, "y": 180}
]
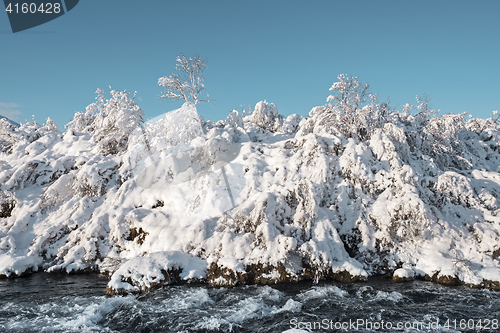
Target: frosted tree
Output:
[
  {"x": 346, "y": 111},
  {"x": 480, "y": 126},
  {"x": 188, "y": 84},
  {"x": 110, "y": 120},
  {"x": 117, "y": 119},
  {"x": 84, "y": 121},
  {"x": 266, "y": 116},
  {"x": 351, "y": 110},
  {"x": 349, "y": 93},
  {"x": 424, "y": 112},
  {"x": 348, "y": 99},
  {"x": 30, "y": 131},
  {"x": 49, "y": 126}
]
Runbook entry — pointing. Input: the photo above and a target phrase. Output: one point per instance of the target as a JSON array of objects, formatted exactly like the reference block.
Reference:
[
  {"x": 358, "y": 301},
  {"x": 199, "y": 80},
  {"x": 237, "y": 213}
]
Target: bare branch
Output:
[{"x": 189, "y": 86}]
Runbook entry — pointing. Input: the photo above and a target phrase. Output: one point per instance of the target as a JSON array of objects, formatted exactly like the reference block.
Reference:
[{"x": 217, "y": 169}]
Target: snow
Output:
[
  {"x": 257, "y": 190},
  {"x": 404, "y": 273},
  {"x": 149, "y": 269}
]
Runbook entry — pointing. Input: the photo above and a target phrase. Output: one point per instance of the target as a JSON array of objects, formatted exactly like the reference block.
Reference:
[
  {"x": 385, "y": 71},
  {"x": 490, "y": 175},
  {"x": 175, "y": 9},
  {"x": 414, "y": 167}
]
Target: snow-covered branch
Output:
[{"x": 189, "y": 85}]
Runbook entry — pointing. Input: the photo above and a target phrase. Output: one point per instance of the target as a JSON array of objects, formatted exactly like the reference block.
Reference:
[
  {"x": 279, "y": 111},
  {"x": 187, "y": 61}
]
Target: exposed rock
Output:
[
  {"x": 224, "y": 277},
  {"x": 494, "y": 285},
  {"x": 444, "y": 279},
  {"x": 7, "y": 204},
  {"x": 138, "y": 235}
]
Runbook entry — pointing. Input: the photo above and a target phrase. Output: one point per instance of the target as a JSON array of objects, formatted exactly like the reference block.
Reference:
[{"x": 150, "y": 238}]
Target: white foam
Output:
[
  {"x": 385, "y": 296},
  {"x": 290, "y": 306},
  {"x": 251, "y": 308},
  {"x": 322, "y": 292},
  {"x": 67, "y": 313},
  {"x": 189, "y": 299}
]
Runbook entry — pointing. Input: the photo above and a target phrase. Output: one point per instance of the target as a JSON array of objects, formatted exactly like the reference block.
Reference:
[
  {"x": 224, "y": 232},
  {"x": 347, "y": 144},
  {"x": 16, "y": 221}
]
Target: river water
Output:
[{"x": 76, "y": 303}]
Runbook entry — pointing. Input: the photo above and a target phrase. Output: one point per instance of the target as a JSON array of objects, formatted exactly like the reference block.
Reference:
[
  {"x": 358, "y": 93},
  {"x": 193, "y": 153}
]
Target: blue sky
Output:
[{"x": 286, "y": 52}]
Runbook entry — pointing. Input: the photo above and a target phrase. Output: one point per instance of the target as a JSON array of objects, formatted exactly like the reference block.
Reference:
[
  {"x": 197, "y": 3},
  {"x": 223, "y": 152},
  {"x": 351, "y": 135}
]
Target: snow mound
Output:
[
  {"x": 142, "y": 273},
  {"x": 403, "y": 274}
]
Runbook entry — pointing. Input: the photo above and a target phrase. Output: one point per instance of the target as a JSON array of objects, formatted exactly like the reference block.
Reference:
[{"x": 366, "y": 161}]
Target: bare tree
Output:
[{"x": 188, "y": 84}]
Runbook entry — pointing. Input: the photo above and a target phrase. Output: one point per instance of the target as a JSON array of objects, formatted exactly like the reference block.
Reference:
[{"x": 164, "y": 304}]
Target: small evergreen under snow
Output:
[{"x": 354, "y": 189}]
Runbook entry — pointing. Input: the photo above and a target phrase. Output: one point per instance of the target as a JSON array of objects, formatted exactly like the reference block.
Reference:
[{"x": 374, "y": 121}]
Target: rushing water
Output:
[{"x": 57, "y": 303}]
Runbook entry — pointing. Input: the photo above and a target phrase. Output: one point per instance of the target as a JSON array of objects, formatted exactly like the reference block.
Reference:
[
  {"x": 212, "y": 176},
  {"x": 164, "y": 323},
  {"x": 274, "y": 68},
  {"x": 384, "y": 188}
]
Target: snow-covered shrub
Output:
[
  {"x": 116, "y": 121},
  {"x": 234, "y": 119},
  {"x": 454, "y": 188},
  {"x": 445, "y": 140},
  {"x": 49, "y": 126},
  {"x": 179, "y": 126},
  {"x": 266, "y": 116},
  {"x": 8, "y": 136},
  {"x": 83, "y": 121},
  {"x": 233, "y": 126},
  {"x": 407, "y": 220},
  {"x": 112, "y": 121},
  {"x": 291, "y": 124},
  {"x": 25, "y": 175},
  {"x": 348, "y": 112},
  {"x": 26, "y": 133},
  {"x": 479, "y": 125},
  {"x": 488, "y": 129},
  {"x": 94, "y": 176},
  {"x": 58, "y": 192},
  {"x": 397, "y": 136},
  {"x": 306, "y": 125},
  {"x": 30, "y": 131}
]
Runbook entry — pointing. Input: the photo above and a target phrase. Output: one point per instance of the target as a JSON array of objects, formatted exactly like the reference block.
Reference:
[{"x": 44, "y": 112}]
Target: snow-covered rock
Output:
[
  {"x": 403, "y": 275},
  {"x": 143, "y": 273}
]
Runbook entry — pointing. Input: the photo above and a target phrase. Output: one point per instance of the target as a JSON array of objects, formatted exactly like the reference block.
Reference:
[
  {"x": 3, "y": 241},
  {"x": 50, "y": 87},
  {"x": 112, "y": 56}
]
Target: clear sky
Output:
[{"x": 286, "y": 52}]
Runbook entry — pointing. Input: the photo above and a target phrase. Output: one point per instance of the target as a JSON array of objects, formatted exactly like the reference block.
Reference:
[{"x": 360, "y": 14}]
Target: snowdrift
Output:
[{"x": 254, "y": 198}]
